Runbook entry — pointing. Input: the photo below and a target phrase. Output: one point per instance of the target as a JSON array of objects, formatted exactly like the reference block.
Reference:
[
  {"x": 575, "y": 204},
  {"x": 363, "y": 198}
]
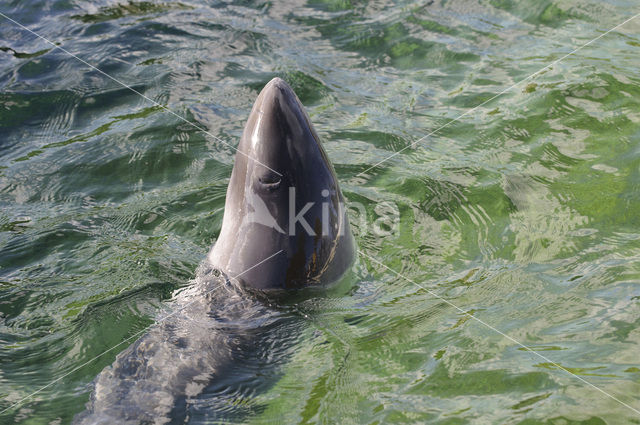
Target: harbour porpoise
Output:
[
  {"x": 284, "y": 228},
  {"x": 283, "y": 195}
]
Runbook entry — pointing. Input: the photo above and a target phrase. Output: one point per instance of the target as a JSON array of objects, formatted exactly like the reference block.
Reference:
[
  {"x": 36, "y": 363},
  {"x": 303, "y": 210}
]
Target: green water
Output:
[{"x": 524, "y": 213}]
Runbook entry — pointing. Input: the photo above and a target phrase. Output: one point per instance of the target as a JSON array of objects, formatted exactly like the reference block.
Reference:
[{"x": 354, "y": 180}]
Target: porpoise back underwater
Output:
[{"x": 284, "y": 228}]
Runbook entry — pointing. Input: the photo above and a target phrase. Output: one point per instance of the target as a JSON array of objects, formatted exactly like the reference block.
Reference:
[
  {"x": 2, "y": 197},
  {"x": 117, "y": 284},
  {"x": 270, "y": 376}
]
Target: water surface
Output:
[{"x": 524, "y": 212}]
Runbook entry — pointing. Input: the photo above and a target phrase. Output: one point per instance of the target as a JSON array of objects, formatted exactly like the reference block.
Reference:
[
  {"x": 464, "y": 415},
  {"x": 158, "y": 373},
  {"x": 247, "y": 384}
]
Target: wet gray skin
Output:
[
  {"x": 218, "y": 341},
  {"x": 216, "y": 325},
  {"x": 279, "y": 154}
]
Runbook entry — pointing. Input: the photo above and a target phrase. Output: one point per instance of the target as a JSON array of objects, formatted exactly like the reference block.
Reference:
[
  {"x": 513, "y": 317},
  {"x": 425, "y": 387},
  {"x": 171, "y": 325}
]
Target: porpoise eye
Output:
[{"x": 270, "y": 181}]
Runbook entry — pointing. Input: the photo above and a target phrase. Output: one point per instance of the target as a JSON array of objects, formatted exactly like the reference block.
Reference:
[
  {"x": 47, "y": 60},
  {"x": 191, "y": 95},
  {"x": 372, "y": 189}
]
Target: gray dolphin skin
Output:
[
  {"x": 284, "y": 206},
  {"x": 283, "y": 195}
]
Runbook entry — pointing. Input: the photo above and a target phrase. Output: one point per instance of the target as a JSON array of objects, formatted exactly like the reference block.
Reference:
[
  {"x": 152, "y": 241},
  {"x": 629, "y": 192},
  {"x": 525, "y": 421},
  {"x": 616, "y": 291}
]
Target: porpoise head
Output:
[{"x": 283, "y": 198}]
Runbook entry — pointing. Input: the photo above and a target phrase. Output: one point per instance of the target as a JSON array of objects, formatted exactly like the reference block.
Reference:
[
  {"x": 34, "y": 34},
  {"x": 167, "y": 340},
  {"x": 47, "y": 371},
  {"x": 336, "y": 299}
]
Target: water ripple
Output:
[{"x": 523, "y": 212}]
